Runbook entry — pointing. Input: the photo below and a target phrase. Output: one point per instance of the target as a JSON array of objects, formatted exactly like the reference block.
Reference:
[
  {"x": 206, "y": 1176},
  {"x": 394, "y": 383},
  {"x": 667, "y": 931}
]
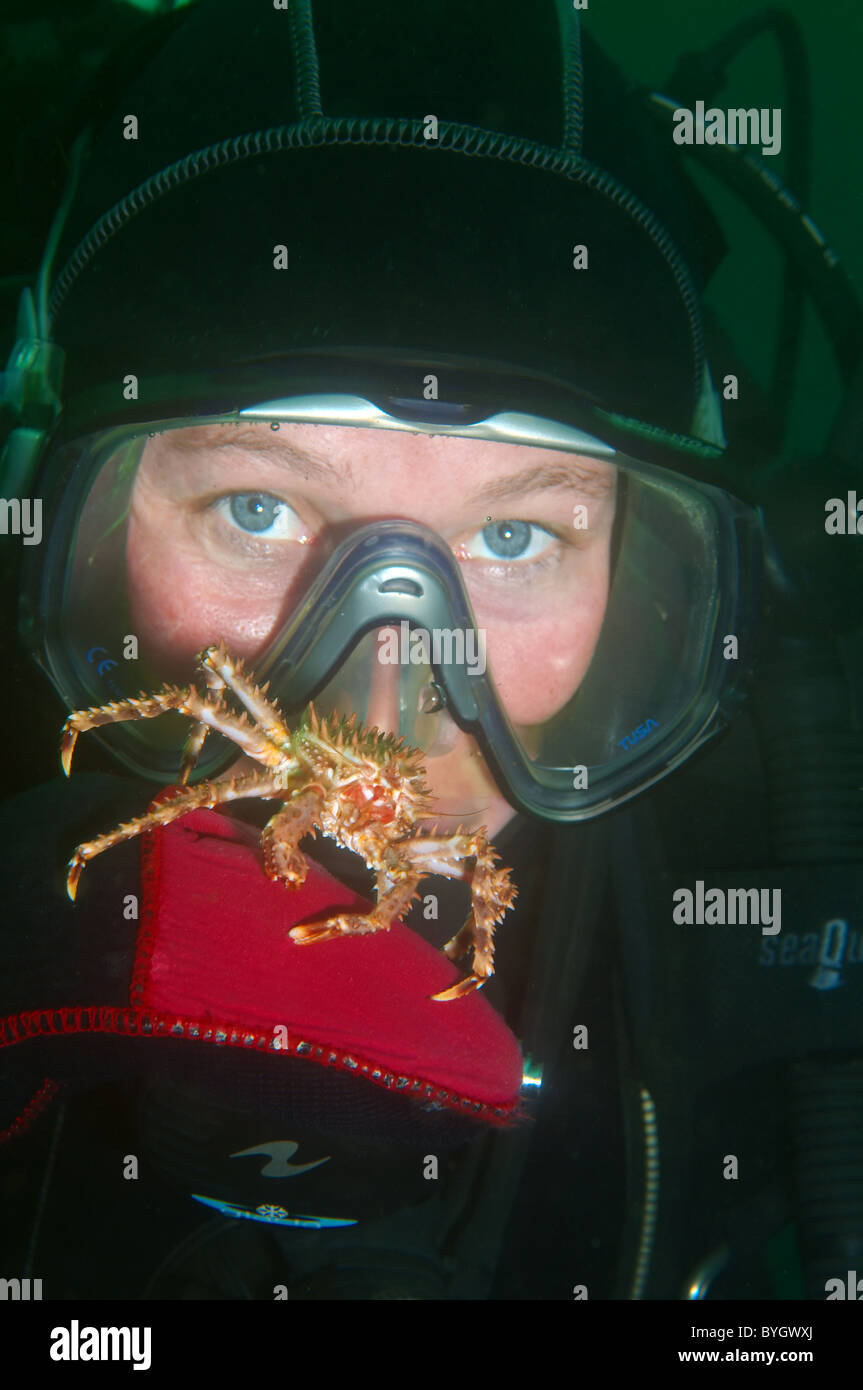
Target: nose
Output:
[{"x": 383, "y": 710}]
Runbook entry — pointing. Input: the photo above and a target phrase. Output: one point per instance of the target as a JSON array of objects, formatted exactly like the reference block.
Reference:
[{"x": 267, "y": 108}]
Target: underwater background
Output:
[
  {"x": 48, "y": 54},
  {"x": 50, "y": 51}
]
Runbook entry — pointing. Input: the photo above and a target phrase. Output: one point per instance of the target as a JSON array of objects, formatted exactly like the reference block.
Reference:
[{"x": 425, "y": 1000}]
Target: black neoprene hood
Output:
[{"x": 309, "y": 129}]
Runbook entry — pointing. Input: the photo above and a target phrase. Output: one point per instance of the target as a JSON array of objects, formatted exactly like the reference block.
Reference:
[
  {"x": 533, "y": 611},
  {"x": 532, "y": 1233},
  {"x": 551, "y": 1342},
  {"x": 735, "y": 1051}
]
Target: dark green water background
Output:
[{"x": 646, "y": 40}]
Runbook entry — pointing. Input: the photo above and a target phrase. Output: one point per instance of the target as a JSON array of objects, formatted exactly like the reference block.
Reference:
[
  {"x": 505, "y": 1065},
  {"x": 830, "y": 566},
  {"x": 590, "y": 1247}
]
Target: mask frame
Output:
[{"x": 393, "y": 572}]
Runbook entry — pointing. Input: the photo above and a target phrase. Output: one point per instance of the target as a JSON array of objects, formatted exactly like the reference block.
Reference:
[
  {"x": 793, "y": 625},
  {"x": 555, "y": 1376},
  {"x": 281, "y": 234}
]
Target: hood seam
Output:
[{"x": 401, "y": 132}]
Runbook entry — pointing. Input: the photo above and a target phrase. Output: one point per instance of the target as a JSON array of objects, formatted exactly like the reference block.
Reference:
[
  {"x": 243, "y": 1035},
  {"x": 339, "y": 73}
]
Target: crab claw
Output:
[
  {"x": 317, "y": 931},
  {"x": 460, "y": 990},
  {"x": 76, "y": 868},
  {"x": 344, "y": 924},
  {"x": 70, "y": 738}
]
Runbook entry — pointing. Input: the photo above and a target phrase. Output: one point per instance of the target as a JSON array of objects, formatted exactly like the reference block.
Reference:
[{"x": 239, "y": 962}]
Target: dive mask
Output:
[{"x": 575, "y": 634}]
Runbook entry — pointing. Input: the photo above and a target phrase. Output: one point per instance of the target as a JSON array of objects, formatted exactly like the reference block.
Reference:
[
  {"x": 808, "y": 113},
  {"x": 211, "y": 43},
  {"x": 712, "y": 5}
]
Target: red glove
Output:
[{"x": 213, "y": 947}]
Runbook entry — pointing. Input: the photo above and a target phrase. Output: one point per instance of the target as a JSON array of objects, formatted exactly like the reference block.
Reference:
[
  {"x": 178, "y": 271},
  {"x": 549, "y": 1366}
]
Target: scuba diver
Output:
[{"x": 374, "y": 425}]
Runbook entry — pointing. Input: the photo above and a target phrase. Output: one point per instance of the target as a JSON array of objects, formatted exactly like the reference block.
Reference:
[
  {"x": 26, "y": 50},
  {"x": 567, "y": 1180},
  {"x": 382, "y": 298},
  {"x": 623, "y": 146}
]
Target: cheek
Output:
[
  {"x": 537, "y": 666},
  {"x": 180, "y": 604}
]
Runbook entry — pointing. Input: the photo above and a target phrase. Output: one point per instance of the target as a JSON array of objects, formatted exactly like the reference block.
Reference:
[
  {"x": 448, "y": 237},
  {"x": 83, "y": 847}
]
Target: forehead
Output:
[{"x": 351, "y": 457}]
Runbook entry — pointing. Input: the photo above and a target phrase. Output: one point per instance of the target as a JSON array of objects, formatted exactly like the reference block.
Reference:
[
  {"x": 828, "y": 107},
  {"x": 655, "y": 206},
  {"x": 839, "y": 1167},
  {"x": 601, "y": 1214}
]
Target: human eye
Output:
[
  {"x": 259, "y": 514},
  {"x": 510, "y": 543}
]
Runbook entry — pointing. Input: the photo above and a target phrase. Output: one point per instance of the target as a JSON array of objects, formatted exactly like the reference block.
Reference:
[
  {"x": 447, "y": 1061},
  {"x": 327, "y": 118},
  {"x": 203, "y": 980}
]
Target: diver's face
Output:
[{"x": 228, "y": 523}]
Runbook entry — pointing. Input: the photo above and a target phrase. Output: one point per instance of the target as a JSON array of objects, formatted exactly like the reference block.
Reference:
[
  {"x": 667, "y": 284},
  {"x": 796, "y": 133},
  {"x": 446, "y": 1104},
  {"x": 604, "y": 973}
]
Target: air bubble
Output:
[{"x": 274, "y": 425}]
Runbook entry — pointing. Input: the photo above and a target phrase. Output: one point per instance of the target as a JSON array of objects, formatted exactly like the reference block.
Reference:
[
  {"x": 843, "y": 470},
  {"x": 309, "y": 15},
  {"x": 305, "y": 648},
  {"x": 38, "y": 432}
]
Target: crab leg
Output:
[
  {"x": 391, "y": 908},
  {"x": 227, "y": 672},
  {"x": 205, "y": 794},
  {"x": 198, "y": 733},
  {"x": 192, "y": 750},
  {"x": 222, "y": 673},
  {"x": 280, "y": 839},
  {"x": 491, "y": 895},
  {"x": 144, "y": 707},
  {"x": 186, "y": 701},
  {"x": 283, "y": 859}
]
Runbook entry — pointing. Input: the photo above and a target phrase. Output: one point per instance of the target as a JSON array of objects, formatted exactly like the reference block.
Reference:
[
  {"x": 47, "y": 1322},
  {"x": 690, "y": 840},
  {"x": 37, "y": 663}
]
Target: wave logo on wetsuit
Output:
[{"x": 279, "y": 1151}]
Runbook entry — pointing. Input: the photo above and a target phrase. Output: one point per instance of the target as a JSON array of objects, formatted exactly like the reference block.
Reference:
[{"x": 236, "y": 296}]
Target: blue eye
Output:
[
  {"x": 507, "y": 539},
  {"x": 254, "y": 511},
  {"x": 510, "y": 541},
  {"x": 260, "y": 514}
]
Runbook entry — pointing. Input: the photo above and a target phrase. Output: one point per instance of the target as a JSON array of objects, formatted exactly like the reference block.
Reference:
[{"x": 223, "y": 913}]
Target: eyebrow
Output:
[
  {"x": 580, "y": 476},
  {"x": 576, "y": 477},
  {"x": 283, "y": 452}
]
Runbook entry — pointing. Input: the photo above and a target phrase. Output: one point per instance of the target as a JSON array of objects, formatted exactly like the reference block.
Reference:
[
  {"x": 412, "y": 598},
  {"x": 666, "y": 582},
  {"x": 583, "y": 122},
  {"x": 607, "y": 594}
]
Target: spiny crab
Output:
[{"x": 362, "y": 788}]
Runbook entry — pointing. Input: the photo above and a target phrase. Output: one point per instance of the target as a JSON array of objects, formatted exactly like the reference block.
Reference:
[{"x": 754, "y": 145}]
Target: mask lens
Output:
[{"x": 550, "y": 643}]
